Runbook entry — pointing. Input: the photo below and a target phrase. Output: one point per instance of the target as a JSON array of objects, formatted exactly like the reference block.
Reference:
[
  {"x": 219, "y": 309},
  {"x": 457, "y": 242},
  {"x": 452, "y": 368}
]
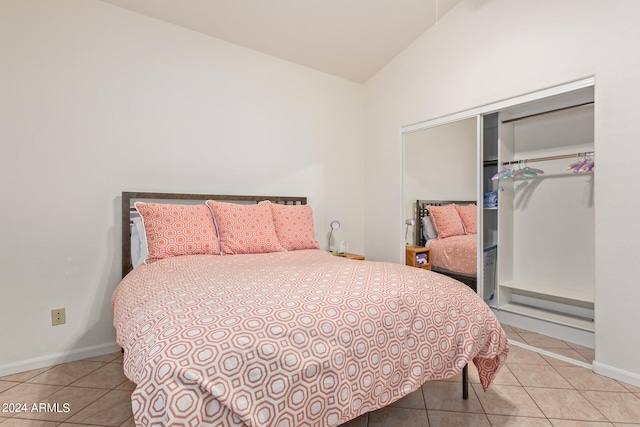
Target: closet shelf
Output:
[
  {"x": 536, "y": 313},
  {"x": 555, "y": 291},
  {"x": 555, "y": 110}
]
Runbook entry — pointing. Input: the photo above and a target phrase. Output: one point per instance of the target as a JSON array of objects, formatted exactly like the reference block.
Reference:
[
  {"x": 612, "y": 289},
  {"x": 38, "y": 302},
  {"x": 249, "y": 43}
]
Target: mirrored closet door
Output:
[
  {"x": 533, "y": 159},
  {"x": 440, "y": 172}
]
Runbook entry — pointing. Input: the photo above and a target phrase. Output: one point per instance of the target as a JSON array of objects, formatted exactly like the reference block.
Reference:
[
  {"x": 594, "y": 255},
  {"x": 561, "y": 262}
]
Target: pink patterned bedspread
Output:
[
  {"x": 455, "y": 253},
  {"x": 292, "y": 338}
]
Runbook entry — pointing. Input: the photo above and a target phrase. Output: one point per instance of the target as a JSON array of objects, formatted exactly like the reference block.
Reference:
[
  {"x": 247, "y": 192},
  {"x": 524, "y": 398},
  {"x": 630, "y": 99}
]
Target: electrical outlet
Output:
[{"x": 58, "y": 317}]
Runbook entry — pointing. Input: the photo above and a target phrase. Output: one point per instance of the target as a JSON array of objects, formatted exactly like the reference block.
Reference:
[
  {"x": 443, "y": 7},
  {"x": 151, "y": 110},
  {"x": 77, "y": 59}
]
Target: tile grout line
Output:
[
  {"x": 63, "y": 387},
  {"x": 551, "y": 354},
  {"x": 525, "y": 390},
  {"x": 68, "y": 385},
  {"x": 582, "y": 393}
]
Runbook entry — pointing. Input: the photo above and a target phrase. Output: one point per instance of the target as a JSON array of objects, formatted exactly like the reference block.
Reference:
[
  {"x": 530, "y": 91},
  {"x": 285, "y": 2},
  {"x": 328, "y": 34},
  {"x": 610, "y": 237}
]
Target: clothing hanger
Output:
[
  {"x": 585, "y": 165},
  {"x": 503, "y": 174},
  {"x": 589, "y": 166},
  {"x": 582, "y": 164},
  {"x": 574, "y": 164},
  {"x": 527, "y": 171},
  {"x": 531, "y": 172},
  {"x": 518, "y": 171}
]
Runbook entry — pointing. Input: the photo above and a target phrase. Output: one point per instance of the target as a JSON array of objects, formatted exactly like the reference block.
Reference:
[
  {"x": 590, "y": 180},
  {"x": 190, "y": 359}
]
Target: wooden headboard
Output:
[
  {"x": 422, "y": 211},
  {"x": 128, "y": 210}
]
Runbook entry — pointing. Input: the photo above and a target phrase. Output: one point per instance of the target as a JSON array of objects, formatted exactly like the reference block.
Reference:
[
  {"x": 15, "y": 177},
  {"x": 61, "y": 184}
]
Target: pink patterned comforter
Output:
[
  {"x": 292, "y": 338},
  {"x": 455, "y": 253}
]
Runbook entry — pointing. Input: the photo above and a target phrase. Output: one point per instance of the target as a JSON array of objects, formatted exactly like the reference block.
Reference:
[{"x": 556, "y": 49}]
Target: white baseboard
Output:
[
  {"x": 58, "y": 358},
  {"x": 616, "y": 373}
]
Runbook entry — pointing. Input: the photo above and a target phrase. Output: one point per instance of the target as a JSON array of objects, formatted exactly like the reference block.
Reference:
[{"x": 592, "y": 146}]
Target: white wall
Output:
[
  {"x": 96, "y": 100},
  {"x": 485, "y": 51}
]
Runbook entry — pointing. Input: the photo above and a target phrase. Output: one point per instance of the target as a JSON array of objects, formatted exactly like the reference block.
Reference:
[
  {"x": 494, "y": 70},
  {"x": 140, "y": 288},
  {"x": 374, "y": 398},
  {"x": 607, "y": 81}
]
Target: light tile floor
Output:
[
  {"x": 553, "y": 345},
  {"x": 531, "y": 390}
]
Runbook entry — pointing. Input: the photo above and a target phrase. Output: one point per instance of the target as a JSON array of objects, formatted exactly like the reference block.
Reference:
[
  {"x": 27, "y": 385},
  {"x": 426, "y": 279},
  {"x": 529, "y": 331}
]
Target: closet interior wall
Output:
[
  {"x": 546, "y": 248},
  {"x": 553, "y": 213}
]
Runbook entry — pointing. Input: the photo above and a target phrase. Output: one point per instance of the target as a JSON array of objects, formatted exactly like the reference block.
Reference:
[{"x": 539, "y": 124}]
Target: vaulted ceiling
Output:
[{"x": 352, "y": 39}]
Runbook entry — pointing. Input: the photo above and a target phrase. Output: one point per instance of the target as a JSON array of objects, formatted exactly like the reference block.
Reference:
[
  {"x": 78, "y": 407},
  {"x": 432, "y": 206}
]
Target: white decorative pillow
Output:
[
  {"x": 139, "y": 249},
  {"x": 428, "y": 231}
]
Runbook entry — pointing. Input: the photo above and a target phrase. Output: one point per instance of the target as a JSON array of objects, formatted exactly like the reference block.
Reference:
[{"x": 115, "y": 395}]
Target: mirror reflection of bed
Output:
[
  {"x": 448, "y": 229},
  {"x": 440, "y": 168}
]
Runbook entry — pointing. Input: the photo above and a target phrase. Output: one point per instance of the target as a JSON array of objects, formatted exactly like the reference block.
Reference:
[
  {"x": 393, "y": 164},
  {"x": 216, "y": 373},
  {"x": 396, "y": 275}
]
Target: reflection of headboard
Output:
[
  {"x": 422, "y": 211},
  {"x": 129, "y": 198}
]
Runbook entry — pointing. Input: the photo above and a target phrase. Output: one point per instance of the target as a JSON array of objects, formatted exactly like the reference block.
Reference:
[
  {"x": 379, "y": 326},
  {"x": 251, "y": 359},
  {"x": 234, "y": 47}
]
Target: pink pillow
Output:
[
  {"x": 294, "y": 226},
  {"x": 245, "y": 229},
  {"x": 175, "y": 230},
  {"x": 468, "y": 216},
  {"x": 446, "y": 221}
]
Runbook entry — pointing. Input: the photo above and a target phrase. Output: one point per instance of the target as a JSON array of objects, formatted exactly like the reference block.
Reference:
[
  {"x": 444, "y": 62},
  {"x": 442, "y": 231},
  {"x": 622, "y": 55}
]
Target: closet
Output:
[{"x": 538, "y": 161}]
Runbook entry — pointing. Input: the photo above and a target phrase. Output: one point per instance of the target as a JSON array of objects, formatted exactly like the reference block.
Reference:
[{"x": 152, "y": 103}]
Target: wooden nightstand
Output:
[
  {"x": 413, "y": 251},
  {"x": 351, "y": 256}
]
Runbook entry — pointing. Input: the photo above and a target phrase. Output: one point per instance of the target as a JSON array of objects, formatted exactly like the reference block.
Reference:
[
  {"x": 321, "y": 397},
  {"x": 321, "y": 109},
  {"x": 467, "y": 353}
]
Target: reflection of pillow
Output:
[
  {"x": 245, "y": 229},
  {"x": 174, "y": 230},
  {"x": 468, "y": 216},
  {"x": 294, "y": 226},
  {"x": 446, "y": 221},
  {"x": 428, "y": 231}
]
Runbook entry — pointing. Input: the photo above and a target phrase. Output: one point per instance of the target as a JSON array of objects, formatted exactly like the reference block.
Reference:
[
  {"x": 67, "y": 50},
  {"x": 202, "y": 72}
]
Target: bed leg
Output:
[{"x": 465, "y": 382}]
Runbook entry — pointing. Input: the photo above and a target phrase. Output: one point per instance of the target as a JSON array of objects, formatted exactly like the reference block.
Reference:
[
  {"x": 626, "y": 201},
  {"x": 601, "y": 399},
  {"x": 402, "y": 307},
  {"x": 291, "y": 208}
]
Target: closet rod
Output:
[
  {"x": 543, "y": 159},
  {"x": 547, "y": 112}
]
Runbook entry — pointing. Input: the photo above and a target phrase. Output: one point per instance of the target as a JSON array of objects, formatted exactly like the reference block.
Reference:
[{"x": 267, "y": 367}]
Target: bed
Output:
[
  {"x": 294, "y": 337},
  {"x": 455, "y": 255}
]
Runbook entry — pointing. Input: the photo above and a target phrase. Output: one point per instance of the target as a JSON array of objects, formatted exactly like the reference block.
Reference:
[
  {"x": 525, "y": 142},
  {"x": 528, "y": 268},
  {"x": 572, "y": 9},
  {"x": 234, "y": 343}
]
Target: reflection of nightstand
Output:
[
  {"x": 418, "y": 256},
  {"x": 351, "y": 256}
]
